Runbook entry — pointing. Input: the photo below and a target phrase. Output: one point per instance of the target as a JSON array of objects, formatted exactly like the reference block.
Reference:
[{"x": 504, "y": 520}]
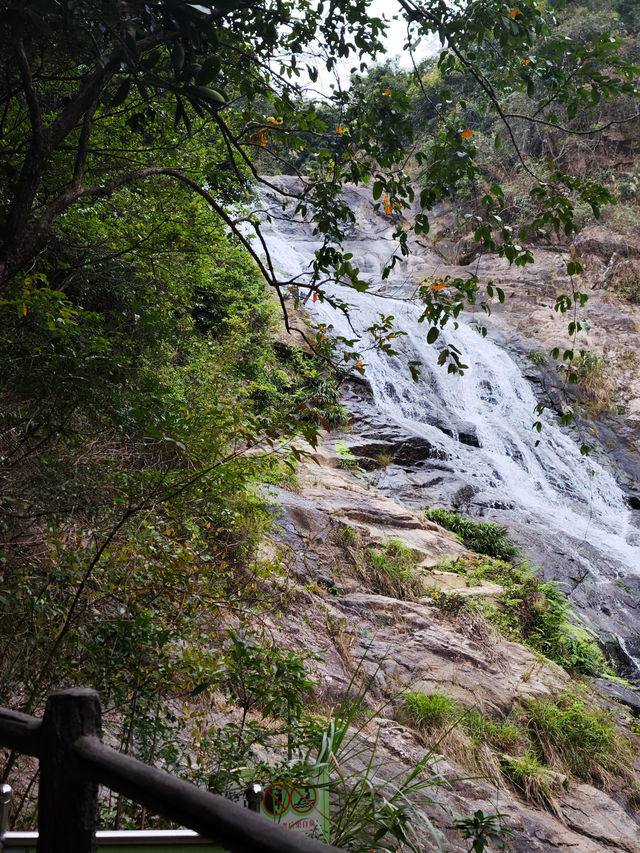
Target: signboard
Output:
[{"x": 304, "y": 808}]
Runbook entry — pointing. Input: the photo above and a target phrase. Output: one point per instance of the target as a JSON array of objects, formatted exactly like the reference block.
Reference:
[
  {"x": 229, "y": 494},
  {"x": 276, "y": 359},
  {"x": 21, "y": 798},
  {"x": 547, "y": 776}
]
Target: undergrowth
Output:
[
  {"x": 388, "y": 569},
  {"x": 572, "y": 737},
  {"x": 391, "y": 570},
  {"x": 530, "y": 610},
  {"x": 536, "y": 613},
  {"x": 534, "y": 748}
]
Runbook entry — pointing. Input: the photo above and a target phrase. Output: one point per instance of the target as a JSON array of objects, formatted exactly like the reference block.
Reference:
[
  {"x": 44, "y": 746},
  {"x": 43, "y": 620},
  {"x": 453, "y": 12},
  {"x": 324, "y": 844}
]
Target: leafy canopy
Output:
[{"x": 103, "y": 96}]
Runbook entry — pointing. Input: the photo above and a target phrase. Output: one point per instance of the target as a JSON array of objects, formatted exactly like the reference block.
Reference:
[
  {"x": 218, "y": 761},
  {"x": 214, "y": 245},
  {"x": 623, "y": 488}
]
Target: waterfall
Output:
[{"x": 567, "y": 499}]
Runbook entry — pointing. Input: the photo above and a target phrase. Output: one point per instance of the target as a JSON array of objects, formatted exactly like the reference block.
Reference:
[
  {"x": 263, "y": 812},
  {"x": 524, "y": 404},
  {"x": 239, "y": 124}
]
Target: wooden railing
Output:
[{"x": 74, "y": 761}]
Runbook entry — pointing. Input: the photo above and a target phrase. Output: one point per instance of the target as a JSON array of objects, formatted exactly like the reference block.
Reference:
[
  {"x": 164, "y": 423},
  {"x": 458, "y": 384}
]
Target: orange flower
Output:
[
  {"x": 340, "y": 130},
  {"x": 261, "y": 137},
  {"x": 439, "y": 286},
  {"x": 387, "y": 91},
  {"x": 466, "y": 133},
  {"x": 514, "y": 13},
  {"x": 387, "y": 205},
  {"x": 315, "y": 296}
]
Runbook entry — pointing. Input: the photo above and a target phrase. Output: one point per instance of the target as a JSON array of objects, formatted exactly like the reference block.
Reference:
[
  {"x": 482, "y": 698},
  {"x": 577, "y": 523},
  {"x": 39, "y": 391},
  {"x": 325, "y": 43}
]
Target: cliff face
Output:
[
  {"x": 431, "y": 444},
  {"x": 417, "y": 646}
]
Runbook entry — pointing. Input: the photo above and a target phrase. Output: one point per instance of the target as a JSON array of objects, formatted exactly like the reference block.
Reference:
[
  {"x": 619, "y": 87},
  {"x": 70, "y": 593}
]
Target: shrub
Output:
[
  {"x": 480, "y": 536},
  {"x": 531, "y": 778},
  {"x": 346, "y": 459},
  {"x": 536, "y": 613},
  {"x": 451, "y": 603},
  {"x": 346, "y": 535},
  {"x": 505, "y": 735},
  {"x": 594, "y": 377}
]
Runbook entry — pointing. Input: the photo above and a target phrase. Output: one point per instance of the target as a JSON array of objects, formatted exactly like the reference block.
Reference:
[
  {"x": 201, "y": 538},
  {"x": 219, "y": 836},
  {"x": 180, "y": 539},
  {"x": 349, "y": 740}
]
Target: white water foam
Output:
[{"x": 549, "y": 483}]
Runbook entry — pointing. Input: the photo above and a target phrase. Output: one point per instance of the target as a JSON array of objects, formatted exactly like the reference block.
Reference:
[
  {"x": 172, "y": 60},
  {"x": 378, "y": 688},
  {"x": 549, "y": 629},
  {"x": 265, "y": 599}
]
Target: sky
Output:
[
  {"x": 394, "y": 41},
  {"x": 397, "y": 32}
]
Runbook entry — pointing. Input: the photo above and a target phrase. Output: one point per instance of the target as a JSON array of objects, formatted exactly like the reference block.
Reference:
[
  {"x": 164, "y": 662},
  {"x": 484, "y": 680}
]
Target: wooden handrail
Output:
[
  {"x": 221, "y": 820},
  {"x": 74, "y": 761},
  {"x": 20, "y": 732}
]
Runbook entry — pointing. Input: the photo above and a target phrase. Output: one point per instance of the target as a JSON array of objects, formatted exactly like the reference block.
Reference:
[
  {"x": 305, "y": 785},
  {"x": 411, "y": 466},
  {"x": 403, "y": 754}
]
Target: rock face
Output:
[{"x": 413, "y": 645}]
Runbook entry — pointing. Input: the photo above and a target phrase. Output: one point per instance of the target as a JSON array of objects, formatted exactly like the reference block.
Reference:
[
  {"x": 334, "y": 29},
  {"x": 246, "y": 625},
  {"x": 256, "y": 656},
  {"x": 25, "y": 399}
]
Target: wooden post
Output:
[{"x": 67, "y": 801}]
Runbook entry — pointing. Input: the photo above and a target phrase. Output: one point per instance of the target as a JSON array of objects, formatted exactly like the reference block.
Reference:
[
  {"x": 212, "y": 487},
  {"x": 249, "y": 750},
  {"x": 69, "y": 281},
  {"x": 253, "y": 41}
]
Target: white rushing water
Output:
[{"x": 543, "y": 476}]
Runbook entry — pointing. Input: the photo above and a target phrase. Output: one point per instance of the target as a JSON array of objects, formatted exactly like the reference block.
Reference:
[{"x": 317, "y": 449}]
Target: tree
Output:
[
  {"x": 88, "y": 89},
  {"x": 135, "y": 366}
]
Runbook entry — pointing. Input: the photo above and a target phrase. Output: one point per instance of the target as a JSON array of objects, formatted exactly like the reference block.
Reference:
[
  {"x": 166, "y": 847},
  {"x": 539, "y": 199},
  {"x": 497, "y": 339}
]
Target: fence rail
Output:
[{"x": 74, "y": 761}]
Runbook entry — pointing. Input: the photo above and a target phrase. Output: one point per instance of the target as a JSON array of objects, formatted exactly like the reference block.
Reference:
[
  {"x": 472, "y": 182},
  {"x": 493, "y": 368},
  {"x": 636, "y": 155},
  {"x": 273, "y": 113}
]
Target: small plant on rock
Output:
[
  {"x": 429, "y": 710},
  {"x": 346, "y": 459},
  {"x": 391, "y": 570},
  {"x": 480, "y": 536},
  {"x": 532, "y": 779},
  {"x": 483, "y": 830},
  {"x": 585, "y": 741}
]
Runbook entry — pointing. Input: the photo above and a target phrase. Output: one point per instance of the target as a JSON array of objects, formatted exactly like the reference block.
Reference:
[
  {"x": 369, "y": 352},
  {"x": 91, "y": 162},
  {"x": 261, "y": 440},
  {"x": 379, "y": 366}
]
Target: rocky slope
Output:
[
  {"x": 417, "y": 449},
  {"x": 413, "y": 644}
]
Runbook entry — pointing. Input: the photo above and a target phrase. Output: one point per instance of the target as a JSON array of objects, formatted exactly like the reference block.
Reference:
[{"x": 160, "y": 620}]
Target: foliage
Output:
[
  {"x": 142, "y": 397},
  {"x": 346, "y": 459},
  {"x": 392, "y": 570},
  {"x": 378, "y": 806},
  {"x": 532, "y": 747},
  {"x": 594, "y": 378},
  {"x": 505, "y": 735},
  {"x": 257, "y": 675},
  {"x": 536, "y": 612},
  {"x": 374, "y": 806},
  {"x": 480, "y": 536},
  {"x": 103, "y": 98},
  {"x": 429, "y": 711},
  {"x": 483, "y": 830},
  {"x": 531, "y": 778},
  {"x": 569, "y": 734}
]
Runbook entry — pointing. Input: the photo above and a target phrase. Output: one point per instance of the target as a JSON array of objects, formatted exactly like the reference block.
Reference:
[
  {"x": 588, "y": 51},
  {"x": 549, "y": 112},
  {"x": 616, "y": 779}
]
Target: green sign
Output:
[{"x": 304, "y": 808}]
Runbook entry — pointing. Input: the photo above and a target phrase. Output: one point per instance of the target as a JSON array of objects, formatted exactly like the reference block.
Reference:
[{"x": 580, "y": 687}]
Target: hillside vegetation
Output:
[{"x": 150, "y": 398}]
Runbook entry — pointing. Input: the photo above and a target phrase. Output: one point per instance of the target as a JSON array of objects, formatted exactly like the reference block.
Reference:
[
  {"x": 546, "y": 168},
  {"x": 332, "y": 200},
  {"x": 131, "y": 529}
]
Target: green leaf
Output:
[
  {"x": 212, "y": 96},
  {"x": 209, "y": 71}
]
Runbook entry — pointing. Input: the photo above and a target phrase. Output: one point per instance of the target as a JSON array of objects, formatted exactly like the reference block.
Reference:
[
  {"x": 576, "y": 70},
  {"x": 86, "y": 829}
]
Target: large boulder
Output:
[{"x": 604, "y": 244}]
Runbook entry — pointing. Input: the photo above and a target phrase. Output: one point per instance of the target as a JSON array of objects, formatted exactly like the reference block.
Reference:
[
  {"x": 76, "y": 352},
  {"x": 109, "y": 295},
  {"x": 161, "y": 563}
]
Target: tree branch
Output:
[
  {"x": 83, "y": 146},
  {"x": 30, "y": 93}
]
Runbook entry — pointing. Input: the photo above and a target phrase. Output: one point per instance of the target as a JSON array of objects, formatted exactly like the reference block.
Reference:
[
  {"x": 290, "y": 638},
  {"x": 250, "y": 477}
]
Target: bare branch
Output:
[{"x": 570, "y": 131}]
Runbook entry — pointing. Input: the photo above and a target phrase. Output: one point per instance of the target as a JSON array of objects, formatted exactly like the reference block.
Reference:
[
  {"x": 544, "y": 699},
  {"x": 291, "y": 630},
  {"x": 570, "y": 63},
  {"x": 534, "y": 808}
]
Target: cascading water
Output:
[{"x": 481, "y": 422}]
